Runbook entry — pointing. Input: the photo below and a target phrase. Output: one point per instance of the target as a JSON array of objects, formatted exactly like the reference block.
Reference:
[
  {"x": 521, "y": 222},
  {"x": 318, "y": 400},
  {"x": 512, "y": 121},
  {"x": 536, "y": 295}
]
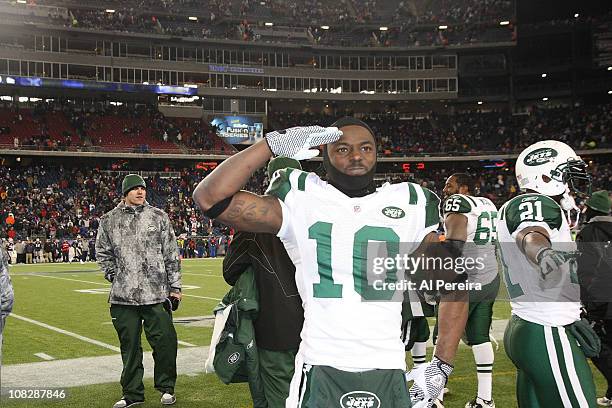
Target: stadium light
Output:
[
  {"x": 544, "y": 99},
  {"x": 325, "y": 27},
  {"x": 442, "y": 27},
  {"x": 269, "y": 24},
  {"x": 544, "y": 75},
  {"x": 480, "y": 102},
  {"x": 193, "y": 18},
  {"x": 576, "y": 15},
  {"x": 383, "y": 28},
  {"x": 609, "y": 92},
  {"x": 504, "y": 23},
  {"x": 609, "y": 68},
  {"x": 110, "y": 10},
  {"x": 21, "y": 1}
]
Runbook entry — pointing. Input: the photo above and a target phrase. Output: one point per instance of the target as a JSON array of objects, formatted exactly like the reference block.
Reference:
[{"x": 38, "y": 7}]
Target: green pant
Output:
[
  {"x": 323, "y": 387},
  {"x": 276, "y": 369},
  {"x": 415, "y": 330},
  {"x": 160, "y": 333},
  {"x": 480, "y": 314},
  {"x": 552, "y": 370}
]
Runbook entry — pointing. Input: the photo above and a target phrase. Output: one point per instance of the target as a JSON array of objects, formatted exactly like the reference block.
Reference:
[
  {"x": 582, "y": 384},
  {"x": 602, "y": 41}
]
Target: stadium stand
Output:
[{"x": 65, "y": 126}]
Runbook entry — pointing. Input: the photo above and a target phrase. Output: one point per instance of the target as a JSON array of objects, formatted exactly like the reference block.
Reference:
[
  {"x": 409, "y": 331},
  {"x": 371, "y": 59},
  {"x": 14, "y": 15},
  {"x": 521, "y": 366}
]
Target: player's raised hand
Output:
[
  {"x": 429, "y": 381},
  {"x": 298, "y": 142}
]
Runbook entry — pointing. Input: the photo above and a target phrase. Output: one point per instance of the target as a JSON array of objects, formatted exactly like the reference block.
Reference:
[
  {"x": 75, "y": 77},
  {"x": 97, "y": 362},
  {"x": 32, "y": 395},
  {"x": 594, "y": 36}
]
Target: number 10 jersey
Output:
[{"x": 349, "y": 324}]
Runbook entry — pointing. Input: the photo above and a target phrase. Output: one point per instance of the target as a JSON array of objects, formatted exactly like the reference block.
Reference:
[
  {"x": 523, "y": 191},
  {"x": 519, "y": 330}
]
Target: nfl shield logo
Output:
[{"x": 357, "y": 208}]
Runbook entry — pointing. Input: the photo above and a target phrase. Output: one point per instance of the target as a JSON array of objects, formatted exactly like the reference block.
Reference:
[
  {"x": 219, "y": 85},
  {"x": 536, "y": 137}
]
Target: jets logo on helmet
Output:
[
  {"x": 540, "y": 156},
  {"x": 551, "y": 168}
]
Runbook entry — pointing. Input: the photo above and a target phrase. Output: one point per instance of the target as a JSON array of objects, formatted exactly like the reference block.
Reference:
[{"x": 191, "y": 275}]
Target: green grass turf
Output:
[
  {"x": 54, "y": 301},
  {"x": 48, "y": 294}
]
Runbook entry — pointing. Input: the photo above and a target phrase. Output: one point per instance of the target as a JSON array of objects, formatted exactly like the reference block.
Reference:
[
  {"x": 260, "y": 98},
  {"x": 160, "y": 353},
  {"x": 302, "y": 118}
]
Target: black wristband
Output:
[
  {"x": 531, "y": 232},
  {"x": 217, "y": 209}
]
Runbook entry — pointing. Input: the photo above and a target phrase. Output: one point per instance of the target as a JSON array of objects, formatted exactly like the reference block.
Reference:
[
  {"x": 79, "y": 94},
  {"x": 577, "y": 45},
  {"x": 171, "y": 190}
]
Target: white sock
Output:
[
  {"x": 419, "y": 353},
  {"x": 484, "y": 358}
]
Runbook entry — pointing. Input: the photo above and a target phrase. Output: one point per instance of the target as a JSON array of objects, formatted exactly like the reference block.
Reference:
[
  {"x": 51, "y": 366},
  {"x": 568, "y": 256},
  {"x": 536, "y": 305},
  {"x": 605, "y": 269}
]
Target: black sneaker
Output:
[{"x": 480, "y": 403}]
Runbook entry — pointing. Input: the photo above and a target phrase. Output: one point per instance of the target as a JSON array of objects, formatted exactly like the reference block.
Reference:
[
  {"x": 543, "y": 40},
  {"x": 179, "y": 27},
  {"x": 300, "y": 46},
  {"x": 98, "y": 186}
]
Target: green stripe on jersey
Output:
[
  {"x": 280, "y": 185},
  {"x": 432, "y": 205},
  {"x": 472, "y": 200},
  {"x": 413, "y": 197},
  {"x": 302, "y": 181}
]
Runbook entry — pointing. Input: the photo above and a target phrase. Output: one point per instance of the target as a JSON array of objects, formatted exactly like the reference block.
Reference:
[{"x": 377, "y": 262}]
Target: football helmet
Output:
[{"x": 551, "y": 167}]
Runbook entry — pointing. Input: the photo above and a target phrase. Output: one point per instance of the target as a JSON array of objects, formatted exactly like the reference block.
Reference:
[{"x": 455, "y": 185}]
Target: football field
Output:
[{"x": 60, "y": 335}]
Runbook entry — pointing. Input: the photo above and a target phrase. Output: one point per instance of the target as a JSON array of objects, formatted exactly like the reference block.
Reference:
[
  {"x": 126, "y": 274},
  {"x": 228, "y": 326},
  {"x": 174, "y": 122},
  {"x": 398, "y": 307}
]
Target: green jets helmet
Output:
[{"x": 551, "y": 167}]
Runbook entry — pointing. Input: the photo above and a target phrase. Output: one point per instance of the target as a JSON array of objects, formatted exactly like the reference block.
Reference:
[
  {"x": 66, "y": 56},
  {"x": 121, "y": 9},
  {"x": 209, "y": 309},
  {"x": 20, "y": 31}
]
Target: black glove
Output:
[{"x": 171, "y": 303}]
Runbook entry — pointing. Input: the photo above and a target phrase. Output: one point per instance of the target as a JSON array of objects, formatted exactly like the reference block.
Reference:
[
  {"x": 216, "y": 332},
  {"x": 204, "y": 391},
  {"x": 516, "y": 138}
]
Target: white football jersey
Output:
[
  {"x": 348, "y": 324},
  {"x": 552, "y": 307},
  {"x": 481, "y": 215}
]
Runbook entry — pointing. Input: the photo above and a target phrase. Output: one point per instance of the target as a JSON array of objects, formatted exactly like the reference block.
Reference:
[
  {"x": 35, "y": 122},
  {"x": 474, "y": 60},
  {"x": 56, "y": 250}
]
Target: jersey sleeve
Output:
[
  {"x": 457, "y": 204},
  {"x": 432, "y": 213},
  {"x": 533, "y": 210},
  {"x": 285, "y": 185}
]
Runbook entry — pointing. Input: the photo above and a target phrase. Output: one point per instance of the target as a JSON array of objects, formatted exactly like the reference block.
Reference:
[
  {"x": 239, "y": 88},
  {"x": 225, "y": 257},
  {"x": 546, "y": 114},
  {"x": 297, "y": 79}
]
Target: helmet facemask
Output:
[{"x": 573, "y": 173}]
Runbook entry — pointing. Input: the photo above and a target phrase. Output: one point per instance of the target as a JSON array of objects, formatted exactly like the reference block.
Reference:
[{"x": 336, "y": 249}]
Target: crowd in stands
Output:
[
  {"x": 352, "y": 22},
  {"x": 60, "y": 125},
  {"x": 582, "y": 127}
]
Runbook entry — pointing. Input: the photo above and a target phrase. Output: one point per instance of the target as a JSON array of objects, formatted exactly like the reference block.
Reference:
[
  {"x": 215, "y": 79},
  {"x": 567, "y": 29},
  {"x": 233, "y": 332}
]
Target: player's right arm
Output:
[
  {"x": 219, "y": 195},
  {"x": 531, "y": 221},
  {"x": 454, "y": 210},
  {"x": 245, "y": 211}
]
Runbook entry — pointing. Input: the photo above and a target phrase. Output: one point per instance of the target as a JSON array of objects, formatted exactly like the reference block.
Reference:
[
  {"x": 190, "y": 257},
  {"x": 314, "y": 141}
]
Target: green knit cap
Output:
[
  {"x": 282, "y": 162},
  {"x": 599, "y": 201},
  {"x": 130, "y": 182}
]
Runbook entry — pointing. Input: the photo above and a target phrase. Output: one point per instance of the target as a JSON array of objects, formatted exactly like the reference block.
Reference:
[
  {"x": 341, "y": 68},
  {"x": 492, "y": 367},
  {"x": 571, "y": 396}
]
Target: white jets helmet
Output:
[{"x": 551, "y": 168}]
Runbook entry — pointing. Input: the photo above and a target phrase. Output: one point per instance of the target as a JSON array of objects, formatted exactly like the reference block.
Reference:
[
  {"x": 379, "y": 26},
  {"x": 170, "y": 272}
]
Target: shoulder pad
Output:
[{"x": 532, "y": 208}]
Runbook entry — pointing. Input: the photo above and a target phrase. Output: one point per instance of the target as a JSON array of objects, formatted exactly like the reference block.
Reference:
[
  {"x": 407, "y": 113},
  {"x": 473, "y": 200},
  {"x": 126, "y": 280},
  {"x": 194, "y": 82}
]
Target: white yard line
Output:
[
  {"x": 69, "y": 279},
  {"x": 44, "y": 356},
  {"x": 184, "y": 343},
  {"x": 91, "y": 370},
  {"x": 201, "y": 297},
  {"x": 67, "y": 333},
  {"x": 202, "y": 274}
]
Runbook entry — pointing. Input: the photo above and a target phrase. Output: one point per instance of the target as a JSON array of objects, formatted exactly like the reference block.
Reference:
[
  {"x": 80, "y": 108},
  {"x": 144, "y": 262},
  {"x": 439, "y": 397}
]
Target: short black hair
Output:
[{"x": 464, "y": 179}]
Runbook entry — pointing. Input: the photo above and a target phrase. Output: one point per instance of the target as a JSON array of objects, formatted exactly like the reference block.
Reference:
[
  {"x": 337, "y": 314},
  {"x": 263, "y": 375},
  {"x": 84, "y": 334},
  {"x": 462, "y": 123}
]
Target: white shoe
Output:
[
  {"x": 604, "y": 402},
  {"x": 445, "y": 391},
  {"x": 125, "y": 403},
  {"x": 168, "y": 399}
]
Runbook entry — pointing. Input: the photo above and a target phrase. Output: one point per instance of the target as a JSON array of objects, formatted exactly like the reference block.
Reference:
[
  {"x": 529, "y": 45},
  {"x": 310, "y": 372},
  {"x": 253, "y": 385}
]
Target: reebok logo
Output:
[{"x": 359, "y": 399}]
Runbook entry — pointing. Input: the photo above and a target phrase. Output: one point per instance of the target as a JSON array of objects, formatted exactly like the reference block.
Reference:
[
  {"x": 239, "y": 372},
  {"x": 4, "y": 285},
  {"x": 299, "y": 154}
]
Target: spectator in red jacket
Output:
[{"x": 65, "y": 251}]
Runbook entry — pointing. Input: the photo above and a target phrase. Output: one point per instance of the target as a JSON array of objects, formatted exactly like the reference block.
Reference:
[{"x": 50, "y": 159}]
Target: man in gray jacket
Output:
[
  {"x": 6, "y": 294},
  {"x": 137, "y": 251}
]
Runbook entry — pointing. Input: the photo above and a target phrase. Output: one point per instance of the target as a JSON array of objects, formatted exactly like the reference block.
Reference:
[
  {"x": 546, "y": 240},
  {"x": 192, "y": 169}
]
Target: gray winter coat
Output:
[
  {"x": 6, "y": 289},
  {"x": 137, "y": 251}
]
